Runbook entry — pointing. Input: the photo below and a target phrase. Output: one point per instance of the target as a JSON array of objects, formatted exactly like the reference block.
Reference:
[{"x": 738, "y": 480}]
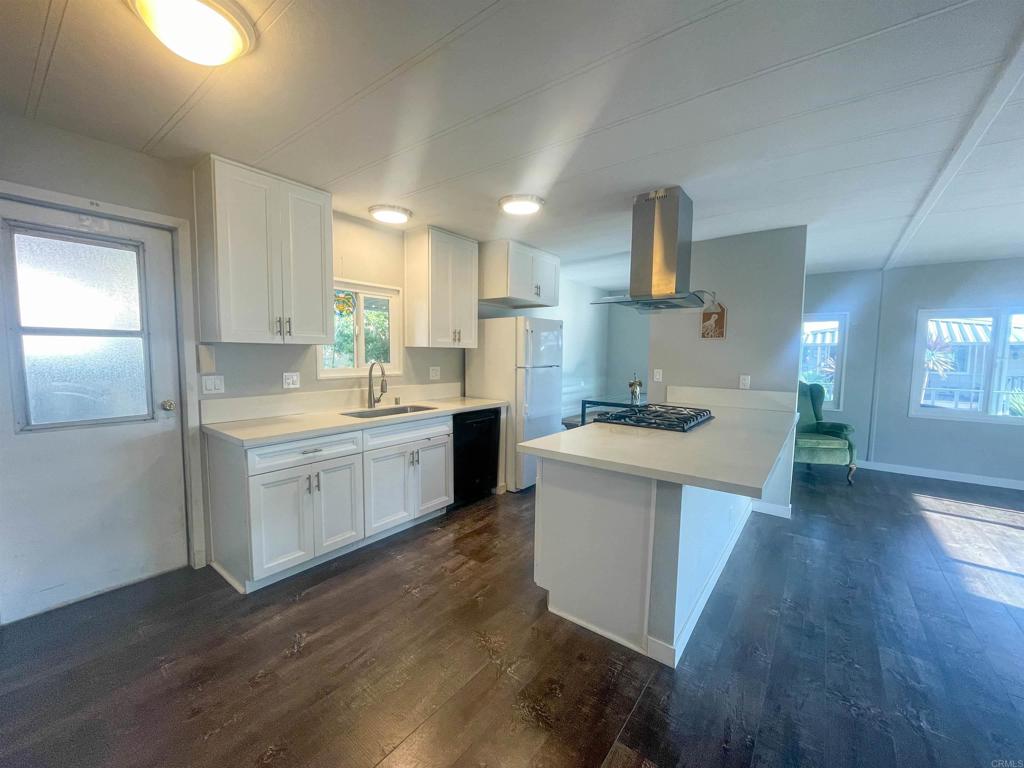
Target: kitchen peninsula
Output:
[{"x": 634, "y": 525}]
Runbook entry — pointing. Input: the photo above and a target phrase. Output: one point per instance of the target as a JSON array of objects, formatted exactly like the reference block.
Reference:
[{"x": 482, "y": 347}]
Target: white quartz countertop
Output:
[
  {"x": 252, "y": 433},
  {"x": 734, "y": 452}
]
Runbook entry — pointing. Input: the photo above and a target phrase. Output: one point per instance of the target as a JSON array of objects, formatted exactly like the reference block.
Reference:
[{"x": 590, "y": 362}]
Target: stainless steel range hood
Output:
[{"x": 659, "y": 269}]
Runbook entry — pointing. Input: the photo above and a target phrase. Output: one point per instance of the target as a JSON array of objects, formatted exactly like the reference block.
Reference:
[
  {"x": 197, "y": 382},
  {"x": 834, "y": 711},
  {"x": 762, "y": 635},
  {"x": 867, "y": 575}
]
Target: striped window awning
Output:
[{"x": 970, "y": 331}]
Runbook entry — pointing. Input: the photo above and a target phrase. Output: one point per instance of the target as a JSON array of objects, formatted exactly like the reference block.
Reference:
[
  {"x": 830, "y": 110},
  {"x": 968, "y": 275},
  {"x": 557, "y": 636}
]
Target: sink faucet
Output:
[{"x": 371, "y": 401}]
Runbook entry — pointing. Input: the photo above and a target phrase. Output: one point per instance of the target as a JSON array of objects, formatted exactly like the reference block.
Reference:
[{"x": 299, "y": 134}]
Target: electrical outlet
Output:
[
  {"x": 435, "y": 373},
  {"x": 213, "y": 385},
  {"x": 744, "y": 381},
  {"x": 657, "y": 374},
  {"x": 291, "y": 380}
]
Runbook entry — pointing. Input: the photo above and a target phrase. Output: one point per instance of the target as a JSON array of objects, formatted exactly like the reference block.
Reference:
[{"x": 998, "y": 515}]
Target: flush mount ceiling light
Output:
[
  {"x": 207, "y": 32},
  {"x": 521, "y": 205},
  {"x": 390, "y": 214}
]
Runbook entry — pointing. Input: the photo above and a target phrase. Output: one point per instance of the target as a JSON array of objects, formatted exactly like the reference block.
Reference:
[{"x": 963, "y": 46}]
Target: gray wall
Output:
[
  {"x": 584, "y": 339},
  {"x": 858, "y": 294},
  {"x": 883, "y": 311},
  {"x": 365, "y": 252},
  {"x": 38, "y": 155},
  {"x": 629, "y": 336},
  {"x": 760, "y": 278},
  {"x": 993, "y": 450}
]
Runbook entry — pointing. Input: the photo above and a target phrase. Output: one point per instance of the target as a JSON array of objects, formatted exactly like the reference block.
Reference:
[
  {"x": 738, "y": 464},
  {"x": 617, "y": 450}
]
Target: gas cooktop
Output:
[{"x": 676, "y": 418}]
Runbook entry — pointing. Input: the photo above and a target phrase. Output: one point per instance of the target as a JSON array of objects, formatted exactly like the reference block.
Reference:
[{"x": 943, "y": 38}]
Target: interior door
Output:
[
  {"x": 442, "y": 330},
  {"x": 465, "y": 290},
  {"x": 281, "y": 519},
  {"x": 337, "y": 503},
  {"x": 249, "y": 268},
  {"x": 90, "y": 440},
  {"x": 387, "y": 483},
  {"x": 307, "y": 266},
  {"x": 434, "y": 475}
]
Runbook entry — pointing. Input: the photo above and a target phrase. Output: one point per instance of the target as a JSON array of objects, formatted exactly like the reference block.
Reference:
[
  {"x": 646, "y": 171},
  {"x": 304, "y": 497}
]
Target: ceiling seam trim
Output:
[
  {"x": 270, "y": 16},
  {"x": 992, "y": 103},
  {"x": 624, "y": 50},
  {"x": 796, "y": 116},
  {"x": 46, "y": 49},
  {"x": 449, "y": 37},
  {"x": 654, "y": 110}
]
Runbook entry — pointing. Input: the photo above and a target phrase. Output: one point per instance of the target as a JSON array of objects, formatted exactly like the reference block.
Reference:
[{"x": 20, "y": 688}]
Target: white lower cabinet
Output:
[
  {"x": 433, "y": 474},
  {"x": 266, "y": 522},
  {"x": 387, "y": 488},
  {"x": 281, "y": 514},
  {"x": 337, "y": 503}
]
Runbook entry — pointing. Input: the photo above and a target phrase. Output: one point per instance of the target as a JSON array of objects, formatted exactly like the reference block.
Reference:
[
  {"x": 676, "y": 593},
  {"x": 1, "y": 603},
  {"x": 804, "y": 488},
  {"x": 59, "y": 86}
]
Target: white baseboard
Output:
[
  {"x": 767, "y": 508},
  {"x": 663, "y": 652},
  {"x": 941, "y": 474},
  {"x": 595, "y": 629},
  {"x": 226, "y": 575}
]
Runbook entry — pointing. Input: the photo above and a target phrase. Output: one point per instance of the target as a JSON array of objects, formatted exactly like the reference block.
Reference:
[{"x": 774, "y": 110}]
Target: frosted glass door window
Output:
[{"x": 82, "y": 332}]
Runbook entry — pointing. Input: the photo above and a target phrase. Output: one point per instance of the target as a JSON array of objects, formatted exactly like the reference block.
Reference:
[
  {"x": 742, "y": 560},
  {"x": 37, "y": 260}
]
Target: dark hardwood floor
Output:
[{"x": 882, "y": 626}]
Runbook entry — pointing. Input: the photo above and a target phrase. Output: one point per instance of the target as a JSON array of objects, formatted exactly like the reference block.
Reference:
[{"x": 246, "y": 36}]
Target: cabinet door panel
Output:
[
  {"x": 545, "y": 275},
  {"x": 307, "y": 266},
  {"x": 434, "y": 475},
  {"x": 281, "y": 518},
  {"x": 465, "y": 290},
  {"x": 249, "y": 257},
  {"x": 521, "y": 284},
  {"x": 338, "y": 503},
  {"x": 440, "y": 292},
  {"x": 387, "y": 488}
]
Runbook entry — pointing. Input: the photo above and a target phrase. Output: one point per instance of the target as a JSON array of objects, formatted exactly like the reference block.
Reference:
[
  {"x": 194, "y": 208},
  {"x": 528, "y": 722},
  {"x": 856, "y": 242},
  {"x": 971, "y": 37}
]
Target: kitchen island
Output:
[{"x": 634, "y": 525}]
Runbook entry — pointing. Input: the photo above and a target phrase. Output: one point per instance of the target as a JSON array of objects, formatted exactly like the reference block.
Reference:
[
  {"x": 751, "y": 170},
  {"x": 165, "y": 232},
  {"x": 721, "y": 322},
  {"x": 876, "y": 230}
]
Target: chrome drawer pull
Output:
[{"x": 312, "y": 450}]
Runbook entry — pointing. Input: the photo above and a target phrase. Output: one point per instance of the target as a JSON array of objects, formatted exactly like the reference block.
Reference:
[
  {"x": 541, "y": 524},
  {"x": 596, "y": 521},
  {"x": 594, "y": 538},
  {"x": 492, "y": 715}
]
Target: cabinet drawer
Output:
[
  {"x": 396, "y": 434},
  {"x": 283, "y": 455}
]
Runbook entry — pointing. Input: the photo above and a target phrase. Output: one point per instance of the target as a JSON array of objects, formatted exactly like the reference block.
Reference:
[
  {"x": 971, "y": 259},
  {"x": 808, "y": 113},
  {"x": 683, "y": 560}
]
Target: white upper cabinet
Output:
[
  {"x": 440, "y": 289},
  {"x": 517, "y": 275},
  {"x": 265, "y": 257}
]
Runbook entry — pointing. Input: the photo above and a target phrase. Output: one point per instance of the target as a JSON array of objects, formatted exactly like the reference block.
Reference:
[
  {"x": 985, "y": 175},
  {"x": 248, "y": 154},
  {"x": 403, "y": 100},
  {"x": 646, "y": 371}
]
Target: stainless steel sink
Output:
[{"x": 394, "y": 410}]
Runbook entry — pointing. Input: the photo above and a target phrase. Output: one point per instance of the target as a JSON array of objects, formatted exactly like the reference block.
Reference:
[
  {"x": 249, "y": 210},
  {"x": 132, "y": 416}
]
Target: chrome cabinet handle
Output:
[
  {"x": 318, "y": 482},
  {"x": 280, "y": 331},
  {"x": 309, "y": 484},
  {"x": 412, "y": 458},
  {"x": 417, "y": 455},
  {"x": 312, "y": 450},
  {"x": 289, "y": 326}
]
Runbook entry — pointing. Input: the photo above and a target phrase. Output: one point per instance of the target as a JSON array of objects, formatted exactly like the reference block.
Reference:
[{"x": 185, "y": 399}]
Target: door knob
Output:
[{"x": 168, "y": 405}]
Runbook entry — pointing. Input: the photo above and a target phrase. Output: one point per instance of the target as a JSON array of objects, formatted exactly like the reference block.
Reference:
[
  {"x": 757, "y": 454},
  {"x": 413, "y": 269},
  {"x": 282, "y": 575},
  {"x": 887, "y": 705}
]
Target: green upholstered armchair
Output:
[{"x": 822, "y": 442}]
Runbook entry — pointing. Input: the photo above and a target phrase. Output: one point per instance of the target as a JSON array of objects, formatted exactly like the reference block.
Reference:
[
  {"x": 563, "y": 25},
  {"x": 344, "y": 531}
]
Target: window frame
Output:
[
  {"x": 999, "y": 341},
  {"x": 375, "y": 291},
  {"x": 843, "y": 318},
  {"x": 16, "y": 331}
]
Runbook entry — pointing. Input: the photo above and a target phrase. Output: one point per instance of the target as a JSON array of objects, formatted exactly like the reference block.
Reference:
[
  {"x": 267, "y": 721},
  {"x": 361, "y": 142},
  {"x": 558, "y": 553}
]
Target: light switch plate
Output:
[
  {"x": 657, "y": 374},
  {"x": 745, "y": 381},
  {"x": 435, "y": 373},
  {"x": 291, "y": 380},
  {"x": 213, "y": 385}
]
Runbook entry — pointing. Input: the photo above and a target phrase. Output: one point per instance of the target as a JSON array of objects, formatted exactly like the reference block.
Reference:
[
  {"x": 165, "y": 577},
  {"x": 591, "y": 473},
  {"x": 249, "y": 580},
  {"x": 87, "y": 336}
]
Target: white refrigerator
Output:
[{"x": 519, "y": 359}]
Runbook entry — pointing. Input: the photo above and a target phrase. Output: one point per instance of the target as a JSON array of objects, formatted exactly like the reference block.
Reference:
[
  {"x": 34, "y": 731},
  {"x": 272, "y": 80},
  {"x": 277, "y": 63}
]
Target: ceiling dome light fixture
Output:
[
  {"x": 521, "y": 205},
  {"x": 207, "y": 32},
  {"x": 390, "y": 214}
]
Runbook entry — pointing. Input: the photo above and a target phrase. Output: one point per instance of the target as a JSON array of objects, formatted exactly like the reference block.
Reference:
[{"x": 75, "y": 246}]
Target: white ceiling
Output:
[{"x": 844, "y": 115}]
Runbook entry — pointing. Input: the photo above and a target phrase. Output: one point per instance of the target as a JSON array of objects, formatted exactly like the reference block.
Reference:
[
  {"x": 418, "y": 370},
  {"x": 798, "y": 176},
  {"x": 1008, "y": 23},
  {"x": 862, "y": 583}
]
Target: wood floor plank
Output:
[{"x": 881, "y": 626}]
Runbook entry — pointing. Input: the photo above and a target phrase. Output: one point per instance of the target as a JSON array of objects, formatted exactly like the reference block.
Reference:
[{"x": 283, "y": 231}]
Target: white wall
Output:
[
  {"x": 365, "y": 252},
  {"x": 584, "y": 339},
  {"x": 896, "y": 296},
  {"x": 759, "y": 277}
]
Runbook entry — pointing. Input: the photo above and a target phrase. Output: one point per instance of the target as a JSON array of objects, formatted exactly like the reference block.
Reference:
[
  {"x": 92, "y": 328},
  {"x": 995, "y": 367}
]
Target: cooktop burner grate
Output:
[{"x": 676, "y": 418}]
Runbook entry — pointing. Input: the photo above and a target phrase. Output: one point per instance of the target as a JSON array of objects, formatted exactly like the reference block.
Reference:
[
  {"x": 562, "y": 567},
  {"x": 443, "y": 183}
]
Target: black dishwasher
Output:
[{"x": 475, "y": 439}]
